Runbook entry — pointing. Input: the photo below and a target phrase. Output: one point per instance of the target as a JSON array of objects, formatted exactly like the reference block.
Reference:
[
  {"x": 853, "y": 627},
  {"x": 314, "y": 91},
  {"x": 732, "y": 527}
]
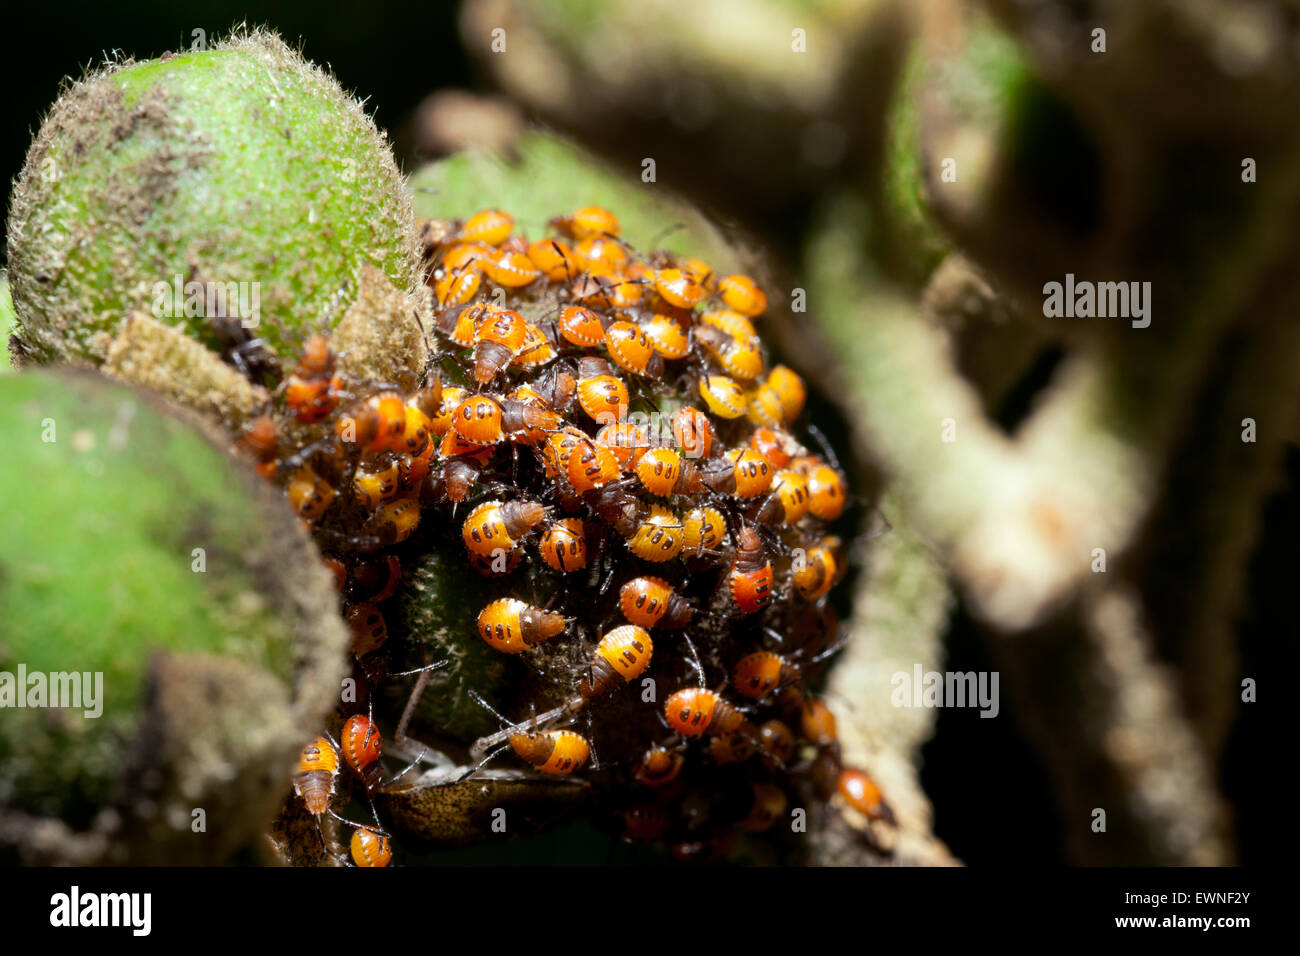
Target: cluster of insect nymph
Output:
[{"x": 606, "y": 421}]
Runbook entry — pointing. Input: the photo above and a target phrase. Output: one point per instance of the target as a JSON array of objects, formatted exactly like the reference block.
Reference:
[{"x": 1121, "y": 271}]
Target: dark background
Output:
[{"x": 993, "y": 800}]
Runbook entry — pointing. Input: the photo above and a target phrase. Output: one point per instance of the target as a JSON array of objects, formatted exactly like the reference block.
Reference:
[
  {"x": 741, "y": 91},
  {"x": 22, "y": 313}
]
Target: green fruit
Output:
[
  {"x": 135, "y": 547},
  {"x": 240, "y": 164}
]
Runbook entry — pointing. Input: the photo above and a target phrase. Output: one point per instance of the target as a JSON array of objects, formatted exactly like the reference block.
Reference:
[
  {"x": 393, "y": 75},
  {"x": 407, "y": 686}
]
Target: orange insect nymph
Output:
[
  {"x": 587, "y": 222},
  {"x": 591, "y": 465},
  {"x": 362, "y": 745},
  {"x": 740, "y": 358},
  {"x": 311, "y": 390},
  {"x": 309, "y": 494},
  {"x": 581, "y": 326},
  {"x": 773, "y": 445},
  {"x": 659, "y": 537},
  {"x": 490, "y": 226},
  {"x": 603, "y": 397},
  {"x": 733, "y": 323},
  {"x": 817, "y": 723},
  {"x": 553, "y": 751},
  {"x": 827, "y": 493},
  {"x": 679, "y": 288},
  {"x": 862, "y": 794},
  {"x": 622, "y": 655},
  {"x": 377, "y": 424},
  {"x": 789, "y": 389},
  {"x": 537, "y": 350},
  {"x": 659, "y": 767},
  {"x": 457, "y": 287},
  {"x": 313, "y": 780},
  {"x": 440, "y": 418},
  {"x": 788, "y": 502},
  {"x": 693, "y": 432},
  {"x": 317, "y": 360},
  {"x": 460, "y": 323},
  {"x": 260, "y": 442},
  {"x": 512, "y": 626},
  {"x": 417, "y": 434},
  {"x": 701, "y": 271},
  {"x": 465, "y": 257},
  {"x": 758, "y": 673},
  {"x": 553, "y": 259},
  {"x": 498, "y": 339},
  {"x": 778, "y": 741},
  {"x": 750, "y": 579},
  {"x": 690, "y": 711},
  {"x": 563, "y": 546},
  {"x": 510, "y": 269},
  {"x": 369, "y": 630},
  {"x": 478, "y": 420},
  {"x": 723, "y": 396},
  {"x": 695, "y": 711},
  {"x": 667, "y": 336},
  {"x": 816, "y": 576},
  {"x": 370, "y": 849},
  {"x": 392, "y": 523},
  {"x": 559, "y": 449},
  {"x": 702, "y": 531},
  {"x": 752, "y": 472},
  {"x": 601, "y": 248},
  {"x": 631, "y": 350},
  {"x": 628, "y": 441},
  {"x": 660, "y": 472},
  {"x": 493, "y": 526},
  {"x": 652, "y": 602},
  {"x": 742, "y": 294},
  {"x": 375, "y": 481}
]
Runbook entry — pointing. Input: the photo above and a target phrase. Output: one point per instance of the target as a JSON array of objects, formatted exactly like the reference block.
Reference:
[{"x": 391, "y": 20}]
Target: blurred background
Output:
[{"x": 1121, "y": 689}]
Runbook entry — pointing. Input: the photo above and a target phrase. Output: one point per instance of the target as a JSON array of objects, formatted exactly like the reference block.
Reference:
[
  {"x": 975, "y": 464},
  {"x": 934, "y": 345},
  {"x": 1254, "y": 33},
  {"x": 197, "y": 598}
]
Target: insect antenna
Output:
[
  {"x": 830, "y": 651},
  {"x": 356, "y": 826},
  {"x": 820, "y": 438},
  {"x": 609, "y": 576},
  {"x": 420, "y": 683},
  {"x": 695, "y": 657},
  {"x": 483, "y": 763},
  {"x": 420, "y": 670},
  {"x": 408, "y": 768},
  {"x": 758, "y": 745},
  {"x": 490, "y": 709},
  {"x": 664, "y": 233},
  {"x": 591, "y": 743}
]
